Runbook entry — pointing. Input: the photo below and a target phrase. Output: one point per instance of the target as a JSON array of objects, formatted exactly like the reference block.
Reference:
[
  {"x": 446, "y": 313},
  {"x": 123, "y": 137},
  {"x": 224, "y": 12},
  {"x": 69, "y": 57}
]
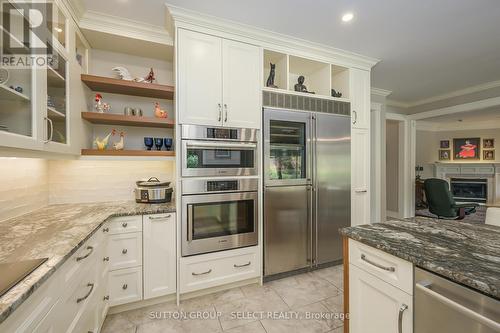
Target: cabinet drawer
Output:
[
  {"x": 215, "y": 269},
  {"x": 125, "y": 250},
  {"x": 124, "y": 224},
  {"x": 393, "y": 270},
  {"x": 125, "y": 286}
]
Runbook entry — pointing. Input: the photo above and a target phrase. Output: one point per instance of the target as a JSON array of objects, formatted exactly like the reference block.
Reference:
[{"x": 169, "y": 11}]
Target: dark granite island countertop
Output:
[
  {"x": 56, "y": 232},
  {"x": 465, "y": 253}
]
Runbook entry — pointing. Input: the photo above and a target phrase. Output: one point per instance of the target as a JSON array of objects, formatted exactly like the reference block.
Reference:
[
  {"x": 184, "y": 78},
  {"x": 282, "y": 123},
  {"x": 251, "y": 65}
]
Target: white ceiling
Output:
[{"x": 427, "y": 47}]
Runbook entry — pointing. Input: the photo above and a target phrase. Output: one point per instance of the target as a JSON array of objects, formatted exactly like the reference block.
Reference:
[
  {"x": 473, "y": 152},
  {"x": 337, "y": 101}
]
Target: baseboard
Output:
[{"x": 141, "y": 304}]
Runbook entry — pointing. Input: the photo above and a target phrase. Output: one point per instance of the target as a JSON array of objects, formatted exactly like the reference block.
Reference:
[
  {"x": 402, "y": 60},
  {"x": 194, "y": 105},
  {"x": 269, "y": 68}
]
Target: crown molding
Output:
[
  {"x": 115, "y": 25},
  {"x": 456, "y": 126},
  {"x": 75, "y": 8},
  {"x": 181, "y": 17},
  {"x": 380, "y": 92},
  {"x": 398, "y": 104},
  {"x": 477, "y": 105}
]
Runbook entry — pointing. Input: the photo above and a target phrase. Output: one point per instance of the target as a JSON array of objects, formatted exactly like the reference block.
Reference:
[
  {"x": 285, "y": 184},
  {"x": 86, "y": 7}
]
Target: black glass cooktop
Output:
[{"x": 11, "y": 273}]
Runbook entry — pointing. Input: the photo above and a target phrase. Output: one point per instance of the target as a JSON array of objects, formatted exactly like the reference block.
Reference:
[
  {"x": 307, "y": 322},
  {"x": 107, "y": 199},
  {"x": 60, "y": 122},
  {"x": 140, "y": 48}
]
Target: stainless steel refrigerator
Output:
[{"x": 307, "y": 188}]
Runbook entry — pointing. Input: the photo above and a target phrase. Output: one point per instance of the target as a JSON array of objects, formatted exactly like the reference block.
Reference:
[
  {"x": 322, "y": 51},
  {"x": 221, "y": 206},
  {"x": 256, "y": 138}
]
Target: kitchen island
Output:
[
  {"x": 464, "y": 253},
  {"x": 56, "y": 232}
]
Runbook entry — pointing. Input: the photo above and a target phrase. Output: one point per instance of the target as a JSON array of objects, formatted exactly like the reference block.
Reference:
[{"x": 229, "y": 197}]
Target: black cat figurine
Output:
[{"x": 270, "y": 79}]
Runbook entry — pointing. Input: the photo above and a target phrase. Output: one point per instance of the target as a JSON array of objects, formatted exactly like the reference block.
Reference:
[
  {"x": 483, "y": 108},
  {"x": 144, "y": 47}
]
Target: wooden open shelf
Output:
[
  {"x": 96, "y": 152},
  {"x": 117, "y": 86},
  {"x": 119, "y": 119}
]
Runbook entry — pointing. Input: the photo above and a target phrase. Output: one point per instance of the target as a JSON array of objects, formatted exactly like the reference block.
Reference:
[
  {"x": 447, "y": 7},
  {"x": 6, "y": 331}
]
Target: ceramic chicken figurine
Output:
[
  {"x": 103, "y": 144},
  {"x": 100, "y": 106},
  {"x": 120, "y": 144},
  {"x": 159, "y": 112}
]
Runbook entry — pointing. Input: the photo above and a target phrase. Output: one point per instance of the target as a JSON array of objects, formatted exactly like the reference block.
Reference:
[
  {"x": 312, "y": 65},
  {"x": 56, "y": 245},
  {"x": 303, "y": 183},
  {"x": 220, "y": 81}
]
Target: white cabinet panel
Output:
[
  {"x": 199, "y": 78},
  {"x": 374, "y": 305},
  {"x": 125, "y": 286},
  {"x": 124, "y": 224},
  {"x": 360, "y": 176},
  {"x": 360, "y": 98},
  {"x": 125, "y": 250},
  {"x": 241, "y": 84},
  {"x": 159, "y": 255},
  {"x": 397, "y": 272}
]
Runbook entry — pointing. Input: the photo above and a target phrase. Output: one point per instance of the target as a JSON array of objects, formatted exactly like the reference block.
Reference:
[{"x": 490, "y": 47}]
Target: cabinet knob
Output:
[
  {"x": 105, "y": 259},
  {"x": 124, "y": 251},
  {"x": 105, "y": 229},
  {"x": 125, "y": 286},
  {"x": 124, "y": 224},
  {"x": 105, "y": 298}
]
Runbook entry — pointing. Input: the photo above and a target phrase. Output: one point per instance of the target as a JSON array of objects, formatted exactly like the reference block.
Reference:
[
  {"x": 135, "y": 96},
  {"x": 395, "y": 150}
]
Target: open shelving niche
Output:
[
  {"x": 320, "y": 77},
  {"x": 120, "y": 93}
]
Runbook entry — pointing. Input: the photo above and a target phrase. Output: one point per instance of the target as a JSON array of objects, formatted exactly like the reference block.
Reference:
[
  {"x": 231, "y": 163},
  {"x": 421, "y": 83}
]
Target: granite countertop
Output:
[
  {"x": 56, "y": 232},
  {"x": 462, "y": 252}
]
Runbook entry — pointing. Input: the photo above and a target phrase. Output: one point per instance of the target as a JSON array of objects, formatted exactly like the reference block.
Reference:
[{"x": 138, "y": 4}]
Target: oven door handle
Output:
[
  {"x": 219, "y": 145},
  {"x": 190, "y": 224}
]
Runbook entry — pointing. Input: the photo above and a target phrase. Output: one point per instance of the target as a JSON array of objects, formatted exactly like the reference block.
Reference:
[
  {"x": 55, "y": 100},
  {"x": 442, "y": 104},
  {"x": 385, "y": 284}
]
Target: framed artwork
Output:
[
  {"x": 444, "y": 144},
  {"x": 444, "y": 154},
  {"x": 466, "y": 149},
  {"x": 488, "y": 143},
  {"x": 488, "y": 155}
]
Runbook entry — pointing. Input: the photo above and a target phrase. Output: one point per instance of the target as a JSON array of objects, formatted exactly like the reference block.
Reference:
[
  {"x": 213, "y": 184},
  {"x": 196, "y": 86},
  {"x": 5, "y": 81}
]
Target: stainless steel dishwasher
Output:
[{"x": 447, "y": 307}]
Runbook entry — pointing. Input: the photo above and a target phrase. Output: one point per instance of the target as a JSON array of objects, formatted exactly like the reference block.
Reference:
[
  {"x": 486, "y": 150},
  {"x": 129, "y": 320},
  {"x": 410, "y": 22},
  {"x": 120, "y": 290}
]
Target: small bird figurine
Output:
[
  {"x": 120, "y": 144},
  {"x": 103, "y": 144},
  {"x": 159, "y": 112}
]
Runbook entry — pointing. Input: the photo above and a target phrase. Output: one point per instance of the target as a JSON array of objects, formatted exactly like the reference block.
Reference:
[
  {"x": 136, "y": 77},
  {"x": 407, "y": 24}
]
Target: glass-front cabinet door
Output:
[
  {"x": 286, "y": 148},
  {"x": 56, "y": 119},
  {"x": 18, "y": 123}
]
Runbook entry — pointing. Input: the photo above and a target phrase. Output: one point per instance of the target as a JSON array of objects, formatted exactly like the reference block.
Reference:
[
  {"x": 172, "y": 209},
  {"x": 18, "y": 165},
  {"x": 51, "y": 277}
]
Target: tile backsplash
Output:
[
  {"x": 24, "y": 185},
  {"x": 29, "y": 183},
  {"x": 73, "y": 181}
]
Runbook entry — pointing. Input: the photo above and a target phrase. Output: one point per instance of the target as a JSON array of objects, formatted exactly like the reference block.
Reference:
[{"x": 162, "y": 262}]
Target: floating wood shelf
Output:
[
  {"x": 117, "y": 86},
  {"x": 96, "y": 152},
  {"x": 119, "y": 119}
]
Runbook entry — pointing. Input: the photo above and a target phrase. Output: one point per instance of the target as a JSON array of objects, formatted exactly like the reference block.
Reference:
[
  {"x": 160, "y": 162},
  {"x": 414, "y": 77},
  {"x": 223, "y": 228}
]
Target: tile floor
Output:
[{"x": 303, "y": 303}]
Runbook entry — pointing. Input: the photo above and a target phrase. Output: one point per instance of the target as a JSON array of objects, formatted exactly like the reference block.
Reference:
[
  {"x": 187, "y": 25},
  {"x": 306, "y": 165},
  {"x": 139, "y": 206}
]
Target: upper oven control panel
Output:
[
  {"x": 222, "y": 185},
  {"x": 222, "y": 133}
]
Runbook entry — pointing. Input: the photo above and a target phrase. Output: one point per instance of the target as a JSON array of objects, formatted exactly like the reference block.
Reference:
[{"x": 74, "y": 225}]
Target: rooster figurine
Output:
[
  {"x": 100, "y": 106},
  {"x": 159, "y": 112},
  {"x": 103, "y": 144},
  {"x": 120, "y": 144}
]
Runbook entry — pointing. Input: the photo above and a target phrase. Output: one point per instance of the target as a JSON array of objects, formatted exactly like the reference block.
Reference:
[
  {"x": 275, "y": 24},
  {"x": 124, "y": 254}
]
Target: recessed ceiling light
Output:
[{"x": 347, "y": 17}]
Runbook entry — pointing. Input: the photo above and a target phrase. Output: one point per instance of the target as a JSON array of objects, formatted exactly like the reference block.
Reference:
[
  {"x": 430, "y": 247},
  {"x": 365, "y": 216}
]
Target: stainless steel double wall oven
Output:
[{"x": 219, "y": 201}]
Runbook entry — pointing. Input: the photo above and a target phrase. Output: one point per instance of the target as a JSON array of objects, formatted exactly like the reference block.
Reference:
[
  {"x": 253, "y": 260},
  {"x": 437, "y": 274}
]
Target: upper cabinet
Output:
[
  {"x": 360, "y": 98},
  {"x": 218, "y": 81}
]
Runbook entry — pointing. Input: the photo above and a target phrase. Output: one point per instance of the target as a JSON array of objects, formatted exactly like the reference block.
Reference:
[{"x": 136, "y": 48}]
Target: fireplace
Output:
[{"x": 469, "y": 189}]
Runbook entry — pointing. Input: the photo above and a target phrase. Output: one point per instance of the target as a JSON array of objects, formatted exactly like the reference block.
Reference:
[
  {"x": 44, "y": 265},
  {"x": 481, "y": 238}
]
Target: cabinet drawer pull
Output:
[
  {"x": 125, "y": 286},
  {"x": 124, "y": 224},
  {"x": 91, "y": 285},
  {"x": 204, "y": 273},
  {"x": 389, "y": 269},
  {"x": 105, "y": 259},
  {"x": 244, "y": 265},
  {"x": 402, "y": 309},
  {"x": 355, "y": 119},
  {"x": 225, "y": 109},
  {"x": 220, "y": 112},
  {"x": 91, "y": 249},
  {"x": 360, "y": 191},
  {"x": 124, "y": 251},
  {"x": 159, "y": 218},
  {"x": 105, "y": 229}
]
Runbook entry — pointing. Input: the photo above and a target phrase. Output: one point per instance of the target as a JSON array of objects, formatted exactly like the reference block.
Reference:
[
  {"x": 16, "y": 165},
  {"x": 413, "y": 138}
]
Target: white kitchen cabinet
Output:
[
  {"x": 125, "y": 286},
  {"x": 199, "y": 78},
  {"x": 218, "y": 81},
  {"x": 241, "y": 84},
  {"x": 159, "y": 267},
  {"x": 360, "y": 176},
  {"x": 360, "y": 98},
  {"x": 125, "y": 250},
  {"x": 376, "y": 306}
]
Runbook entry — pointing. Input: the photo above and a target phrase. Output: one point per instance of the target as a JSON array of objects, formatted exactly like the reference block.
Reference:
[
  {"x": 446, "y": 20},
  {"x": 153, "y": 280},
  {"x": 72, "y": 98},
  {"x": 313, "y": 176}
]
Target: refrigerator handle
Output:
[{"x": 310, "y": 224}]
